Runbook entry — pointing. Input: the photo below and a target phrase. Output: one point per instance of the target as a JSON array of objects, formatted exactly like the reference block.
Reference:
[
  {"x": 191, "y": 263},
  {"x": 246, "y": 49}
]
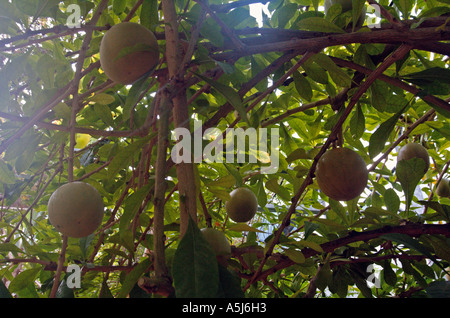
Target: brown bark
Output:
[{"x": 185, "y": 170}]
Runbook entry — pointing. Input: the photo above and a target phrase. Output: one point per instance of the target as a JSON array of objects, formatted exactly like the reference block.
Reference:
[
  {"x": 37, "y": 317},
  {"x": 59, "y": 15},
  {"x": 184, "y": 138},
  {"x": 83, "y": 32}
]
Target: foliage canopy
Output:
[{"x": 319, "y": 80}]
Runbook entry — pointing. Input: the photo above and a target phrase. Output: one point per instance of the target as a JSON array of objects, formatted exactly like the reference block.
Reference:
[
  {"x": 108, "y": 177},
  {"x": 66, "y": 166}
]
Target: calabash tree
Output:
[{"x": 156, "y": 151}]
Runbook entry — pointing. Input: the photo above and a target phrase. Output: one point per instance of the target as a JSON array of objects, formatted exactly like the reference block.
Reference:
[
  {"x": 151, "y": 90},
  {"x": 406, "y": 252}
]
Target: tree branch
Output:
[
  {"x": 185, "y": 170},
  {"x": 398, "y": 54},
  {"x": 417, "y": 36},
  {"x": 411, "y": 229},
  {"x": 161, "y": 271}
]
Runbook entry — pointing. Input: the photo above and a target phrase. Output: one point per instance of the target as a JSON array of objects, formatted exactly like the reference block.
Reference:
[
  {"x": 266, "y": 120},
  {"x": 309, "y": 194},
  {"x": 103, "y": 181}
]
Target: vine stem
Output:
[{"x": 395, "y": 56}]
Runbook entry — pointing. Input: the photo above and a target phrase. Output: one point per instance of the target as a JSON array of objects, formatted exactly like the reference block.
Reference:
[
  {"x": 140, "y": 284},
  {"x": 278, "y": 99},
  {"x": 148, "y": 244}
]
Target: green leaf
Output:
[
  {"x": 140, "y": 47},
  {"x": 318, "y": 24},
  {"x": 230, "y": 286},
  {"x": 134, "y": 94},
  {"x": 105, "y": 292},
  {"x": 230, "y": 95},
  {"x": 378, "y": 139},
  {"x": 295, "y": 255},
  {"x": 4, "y": 292},
  {"x": 282, "y": 192},
  {"x": 285, "y": 13},
  {"x": 429, "y": 75},
  {"x": 388, "y": 273},
  {"x": 235, "y": 173},
  {"x": 391, "y": 200},
  {"x": 131, "y": 205},
  {"x": 211, "y": 30},
  {"x": 119, "y": 6},
  {"x": 315, "y": 72},
  {"x": 226, "y": 181},
  {"x": 64, "y": 291},
  {"x": 409, "y": 242},
  {"x": 441, "y": 209},
  {"x": 261, "y": 193},
  {"x": 313, "y": 245},
  {"x": 409, "y": 173},
  {"x": 330, "y": 223},
  {"x": 310, "y": 227},
  {"x": 243, "y": 227},
  {"x": 6, "y": 174},
  {"x": 124, "y": 156},
  {"x": 357, "y": 9},
  {"x": 10, "y": 247},
  {"x": 220, "y": 193},
  {"x": 24, "y": 279},
  {"x": 102, "y": 98},
  {"x": 339, "y": 209},
  {"x": 324, "y": 277},
  {"x": 302, "y": 86},
  {"x": 440, "y": 246},
  {"x": 438, "y": 289},
  {"x": 104, "y": 112},
  {"x": 195, "y": 269},
  {"x": 149, "y": 14},
  {"x": 338, "y": 76},
  {"x": 357, "y": 123},
  {"x": 25, "y": 160},
  {"x": 133, "y": 276},
  {"x": 405, "y": 7},
  {"x": 84, "y": 244},
  {"x": 46, "y": 70},
  {"x": 298, "y": 153}
]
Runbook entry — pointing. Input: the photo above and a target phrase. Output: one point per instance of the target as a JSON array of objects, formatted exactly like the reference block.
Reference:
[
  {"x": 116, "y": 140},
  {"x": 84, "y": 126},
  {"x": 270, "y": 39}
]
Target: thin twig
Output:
[
  {"x": 161, "y": 271},
  {"x": 62, "y": 257}
]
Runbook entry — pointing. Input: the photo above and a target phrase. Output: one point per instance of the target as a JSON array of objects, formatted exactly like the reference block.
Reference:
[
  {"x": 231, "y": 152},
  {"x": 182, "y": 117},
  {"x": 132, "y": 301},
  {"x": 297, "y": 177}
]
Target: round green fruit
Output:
[
  {"x": 217, "y": 240},
  {"x": 143, "y": 54},
  {"x": 341, "y": 174},
  {"x": 414, "y": 150},
  {"x": 75, "y": 209},
  {"x": 443, "y": 188},
  {"x": 242, "y": 205},
  {"x": 346, "y": 6}
]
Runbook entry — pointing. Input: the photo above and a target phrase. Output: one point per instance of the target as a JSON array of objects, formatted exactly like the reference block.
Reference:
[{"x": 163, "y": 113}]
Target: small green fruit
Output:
[
  {"x": 242, "y": 205},
  {"x": 443, "y": 188},
  {"x": 217, "y": 240},
  {"x": 143, "y": 52},
  {"x": 341, "y": 174},
  {"x": 75, "y": 209},
  {"x": 414, "y": 150}
]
